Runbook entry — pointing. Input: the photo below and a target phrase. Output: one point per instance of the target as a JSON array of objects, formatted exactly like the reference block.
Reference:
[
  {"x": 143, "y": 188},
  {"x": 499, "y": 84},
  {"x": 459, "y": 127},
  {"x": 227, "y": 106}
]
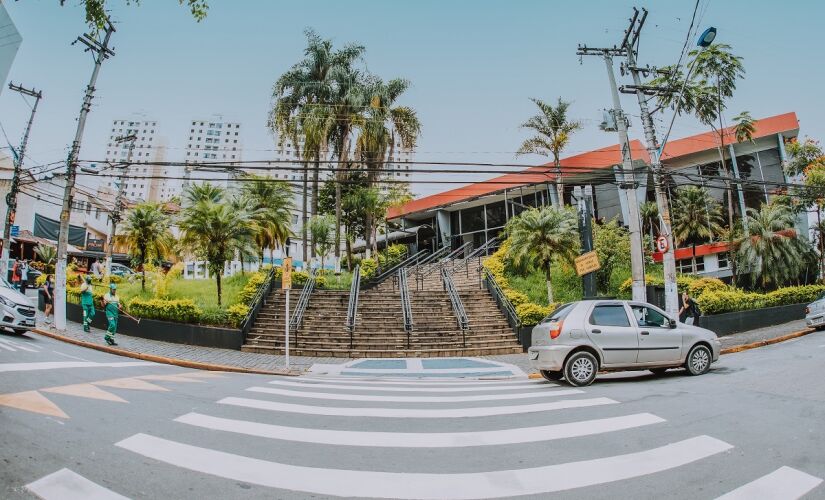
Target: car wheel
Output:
[
  {"x": 658, "y": 371},
  {"x": 580, "y": 369},
  {"x": 551, "y": 375},
  {"x": 20, "y": 332},
  {"x": 698, "y": 360}
]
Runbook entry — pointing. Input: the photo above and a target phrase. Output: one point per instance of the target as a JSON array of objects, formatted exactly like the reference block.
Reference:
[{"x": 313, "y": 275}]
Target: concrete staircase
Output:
[{"x": 379, "y": 330}]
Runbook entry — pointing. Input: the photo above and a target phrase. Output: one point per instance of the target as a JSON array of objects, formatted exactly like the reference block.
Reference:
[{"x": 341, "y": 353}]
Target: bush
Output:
[
  {"x": 368, "y": 267},
  {"x": 683, "y": 283},
  {"x": 214, "y": 316},
  {"x": 702, "y": 285},
  {"x": 718, "y": 302},
  {"x": 237, "y": 313},
  {"x": 515, "y": 297},
  {"x": 182, "y": 310},
  {"x": 793, "y": 295},
  {"x": 250, "y": 290},
  {"x": 531, "y": 314}
]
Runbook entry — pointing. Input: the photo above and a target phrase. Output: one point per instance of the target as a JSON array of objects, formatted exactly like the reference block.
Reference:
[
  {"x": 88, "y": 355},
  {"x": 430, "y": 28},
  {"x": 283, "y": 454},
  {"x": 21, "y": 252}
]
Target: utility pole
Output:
[
  {"x": 584, "y": 198},
  {"x": 100, "y": 52},
  {"x": 11, "y": 198},
  {"x": 643, "y": 94},
  {"x": 121, "y": 188},
  {"x": 628, "y": 184}
]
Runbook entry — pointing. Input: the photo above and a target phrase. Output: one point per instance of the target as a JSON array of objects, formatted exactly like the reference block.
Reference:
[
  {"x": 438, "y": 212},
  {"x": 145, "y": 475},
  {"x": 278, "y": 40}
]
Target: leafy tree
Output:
[
  {"x": 772, "y": 250},
  {"x": 322, "y": 228},
  {"x": 46, "y": 254},
  {"x": 214, "y": 231},
  {"x": 96, "y": 14},
  {"x": 246, "y": 247},
  {"x": 353, "y": 214},
  {"x": 697, "y": 218},
  {"x": 196, "y": 193},
  {"x": 649, "y": 213},
  {"x": 744, "y": 127},
  {"x": 612, "y": 244},
  {"x": 271, "y": 205},
  {"x": 553, "y": 129},
  {"x": 146, "y": 234},
  {"x": 538, "y": 237}
]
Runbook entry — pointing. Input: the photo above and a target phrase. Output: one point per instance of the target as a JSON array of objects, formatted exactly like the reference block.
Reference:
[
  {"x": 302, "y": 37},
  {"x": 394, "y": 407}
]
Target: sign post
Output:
[{"x": 286, "y": 284}]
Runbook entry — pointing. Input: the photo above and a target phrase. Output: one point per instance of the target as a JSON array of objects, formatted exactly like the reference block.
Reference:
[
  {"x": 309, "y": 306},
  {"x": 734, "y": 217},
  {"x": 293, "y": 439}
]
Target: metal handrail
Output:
[
  {"x": 428, "y": 269},
  {"x": 406, "y": 307},
  {"x": 258, "y": 301},
  {"x": 503, "y": 302},
  {"x": 475, "y": 253},
  {"x": 458, "y": 305},
  {"x": 297, "y": 318},
  {"x": 391, "y": 271},
  {"x": 352, "y": 308},
  {"x": 435, "y": 255}
]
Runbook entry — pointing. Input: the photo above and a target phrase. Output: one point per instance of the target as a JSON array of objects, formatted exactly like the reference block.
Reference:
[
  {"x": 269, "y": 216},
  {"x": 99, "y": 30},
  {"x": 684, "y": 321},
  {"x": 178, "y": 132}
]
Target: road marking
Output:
[
  {"x": 3, "y": 345},
  {"x": 130, "y": 383},
  {"x": 784, "y": 483},
  {"x": 422, "y": 383},
  {"x": 67, "y": 485},
  {"x": 32, "y": 401},
  {"x": 415, "y": 413},
  {"x": 69, "y": 356},
  {"x": 415, "y": 399},
  {"x": 205, "y": 374},
  {"x": 171, "y": 378},
  {"x": 85, "y": 391},
  {"x": 19, "y": 345},
  {"x": 355, "y": 483},
  {"x": 421, "y": 439},
  {"x": 383, "y": 388},
  {"x": 55, "y": 365}
]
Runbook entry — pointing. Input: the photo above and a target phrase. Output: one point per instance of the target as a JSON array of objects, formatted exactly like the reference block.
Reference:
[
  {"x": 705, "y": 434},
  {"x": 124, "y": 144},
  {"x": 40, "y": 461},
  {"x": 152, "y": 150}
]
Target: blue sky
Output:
[{"x": 473, "y": 65}]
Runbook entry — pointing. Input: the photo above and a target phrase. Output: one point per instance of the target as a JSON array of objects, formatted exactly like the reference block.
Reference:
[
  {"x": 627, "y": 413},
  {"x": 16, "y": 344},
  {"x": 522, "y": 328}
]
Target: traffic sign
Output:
[
  {"x": 286, "y": 273},
  {"x": 15, "y": 230},
  {"x": 661, "y": 244},
  {"x": 587, "y": 263}
]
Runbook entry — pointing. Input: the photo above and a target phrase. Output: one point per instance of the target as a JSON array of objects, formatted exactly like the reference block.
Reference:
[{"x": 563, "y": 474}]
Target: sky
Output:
[{"x": 473, "y": 65}]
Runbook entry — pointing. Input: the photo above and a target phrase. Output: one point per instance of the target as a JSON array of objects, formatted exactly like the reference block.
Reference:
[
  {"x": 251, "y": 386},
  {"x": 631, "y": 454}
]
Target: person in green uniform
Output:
[
  {"x": 87, "y": 302},
  {"x": 111, "y": 304}
]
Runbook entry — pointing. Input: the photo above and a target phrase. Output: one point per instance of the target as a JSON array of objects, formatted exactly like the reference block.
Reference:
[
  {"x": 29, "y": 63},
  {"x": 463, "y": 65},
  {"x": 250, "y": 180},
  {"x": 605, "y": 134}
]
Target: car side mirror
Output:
[{"x": 672, "y": 323}]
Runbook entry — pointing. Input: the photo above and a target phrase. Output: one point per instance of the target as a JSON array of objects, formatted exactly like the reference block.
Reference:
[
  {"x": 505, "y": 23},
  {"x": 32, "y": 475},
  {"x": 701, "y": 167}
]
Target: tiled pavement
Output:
[{"x": 248, "y": 360}]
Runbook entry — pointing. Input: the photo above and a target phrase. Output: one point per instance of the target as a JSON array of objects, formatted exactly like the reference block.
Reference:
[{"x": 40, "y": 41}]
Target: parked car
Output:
[
  {"x": 815, "y": 313},
  {"x": 17, "y": 311},
  {"x": 121, "y": 270},
  {"x": 579, "y": 339}
]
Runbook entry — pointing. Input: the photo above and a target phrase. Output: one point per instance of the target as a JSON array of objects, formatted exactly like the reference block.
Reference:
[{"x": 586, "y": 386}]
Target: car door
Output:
[
  {"x": 658, "y": 342},
  {"x": 608, "y": 326}
]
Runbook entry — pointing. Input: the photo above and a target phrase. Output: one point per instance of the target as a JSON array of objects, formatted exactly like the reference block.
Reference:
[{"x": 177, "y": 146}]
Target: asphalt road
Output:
[{"x": 78, "y": 423}]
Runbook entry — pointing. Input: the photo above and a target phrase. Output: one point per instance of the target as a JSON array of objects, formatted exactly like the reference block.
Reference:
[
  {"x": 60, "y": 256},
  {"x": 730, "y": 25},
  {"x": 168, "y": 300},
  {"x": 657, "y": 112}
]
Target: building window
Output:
[
  {"x": 722, "y": 259},
  {"x": 685, "y": 266}
]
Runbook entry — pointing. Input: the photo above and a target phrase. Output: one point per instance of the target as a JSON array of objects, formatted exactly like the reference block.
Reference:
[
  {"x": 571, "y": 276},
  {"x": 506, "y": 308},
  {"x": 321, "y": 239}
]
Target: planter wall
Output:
[
  {"x": 741, "y": 321},
  {"x": 165, "y": 331}
]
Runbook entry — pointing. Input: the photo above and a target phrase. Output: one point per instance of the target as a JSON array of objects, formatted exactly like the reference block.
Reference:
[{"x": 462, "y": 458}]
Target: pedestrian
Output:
[
  {"x": 689, "y": 313},
  {"x": 47, "y": 291},
  {"x": 96, "y": 269},
  {"x": 24, "y": 276},
  {"x": 111, "y": 304},
  {"x": 15, "y": 274},
  {"x": 87, "y": 302}
]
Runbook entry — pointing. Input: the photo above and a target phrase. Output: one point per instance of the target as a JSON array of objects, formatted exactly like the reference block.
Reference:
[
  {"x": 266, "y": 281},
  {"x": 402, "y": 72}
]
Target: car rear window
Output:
[
  {"x": 609, "y": 315},
  {"x": 560, "y": 313}
]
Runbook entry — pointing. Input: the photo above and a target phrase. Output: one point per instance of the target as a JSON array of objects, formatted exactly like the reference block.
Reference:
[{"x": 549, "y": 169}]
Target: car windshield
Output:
[{"x": 560, "y": 313}]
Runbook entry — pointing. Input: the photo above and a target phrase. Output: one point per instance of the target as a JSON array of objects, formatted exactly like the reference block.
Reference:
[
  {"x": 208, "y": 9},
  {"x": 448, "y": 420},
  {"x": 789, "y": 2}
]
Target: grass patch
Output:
[
  {"x": 340, "y": 282},
  {"x": 203, "y": 292}
]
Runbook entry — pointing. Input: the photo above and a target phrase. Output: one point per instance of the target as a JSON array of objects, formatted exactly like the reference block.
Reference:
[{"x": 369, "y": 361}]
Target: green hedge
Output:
[
  {"x": 723, "y": 301},
  {"x": 182, "y": 310},
  {"x": 531, "y": 314}
]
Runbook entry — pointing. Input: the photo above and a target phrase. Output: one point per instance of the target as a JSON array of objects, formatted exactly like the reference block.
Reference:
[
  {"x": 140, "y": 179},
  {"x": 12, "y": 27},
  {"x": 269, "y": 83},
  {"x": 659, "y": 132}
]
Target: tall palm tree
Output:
[
  {"x": 323, "y": 234},
  {"x": 214, "y": 231},
  {"x": 271, "y": 211},
  {"x": 245, "y": 248},
  {"x": 772, "y": 249},
  {"x": 697, "y": 218},
  {"x": 540, "y": 236},
  {"x": 553, "y": 129},
  {"x": 146, "y": 234},
  {"x": 195, "y": 193},
  {"x": 370, "y": 201},
  {"x": 649, "y": 213}
]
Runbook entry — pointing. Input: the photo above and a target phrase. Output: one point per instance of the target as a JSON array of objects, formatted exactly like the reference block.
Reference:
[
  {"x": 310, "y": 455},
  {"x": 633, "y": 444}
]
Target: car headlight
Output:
[{"x": 7, "y": 302}]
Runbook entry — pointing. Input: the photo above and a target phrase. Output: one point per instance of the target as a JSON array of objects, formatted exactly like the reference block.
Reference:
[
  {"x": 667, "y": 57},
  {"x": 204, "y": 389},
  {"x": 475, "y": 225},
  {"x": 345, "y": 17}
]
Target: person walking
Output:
[
  {"x": 24, "y": 276},
  {"x": 87, "y": 302},
  {"x": 111, "y": 304},
  {"x": 96, "y": 269},
  {"x": 47, "y": 291},
  {"x": 689, "y": 313},
  {"x": 15, "y": 274}
]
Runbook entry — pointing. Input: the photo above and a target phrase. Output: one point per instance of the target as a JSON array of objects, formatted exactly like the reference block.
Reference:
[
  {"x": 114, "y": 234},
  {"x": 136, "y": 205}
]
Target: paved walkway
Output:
[{"x": 271, "y": 362}]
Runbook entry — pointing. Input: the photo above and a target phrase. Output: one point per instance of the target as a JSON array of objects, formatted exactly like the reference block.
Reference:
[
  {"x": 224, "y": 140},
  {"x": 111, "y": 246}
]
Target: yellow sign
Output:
[
  {"x": 587, "y": 263},
  {"x": 286, "y": 276}
]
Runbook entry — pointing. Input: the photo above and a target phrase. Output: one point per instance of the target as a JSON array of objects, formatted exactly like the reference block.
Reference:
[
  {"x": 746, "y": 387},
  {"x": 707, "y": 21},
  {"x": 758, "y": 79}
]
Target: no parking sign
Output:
[{"x": 661, "y": 244}]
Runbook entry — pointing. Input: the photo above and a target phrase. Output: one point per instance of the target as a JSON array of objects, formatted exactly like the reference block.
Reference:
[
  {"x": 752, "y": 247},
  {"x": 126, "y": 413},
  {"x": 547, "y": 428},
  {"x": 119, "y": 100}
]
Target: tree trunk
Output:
[
  {"x": 343, "y": 155},
  {"x": 304, "y": 218},
  {"x": 240, "y": 258},
  {"x": 559, "y": 182},
  {"x": 548, "y": 274},
  {"x": 218, "y": 280},
  {"x": 368, "y": 235},
  {"x": 315, "y": 194},
  {"x": 142, "y": 269},
  {"x": 728, "y": 185},
  {"x": 693, "y": 260},
  {"x": 349, "y": 252}
]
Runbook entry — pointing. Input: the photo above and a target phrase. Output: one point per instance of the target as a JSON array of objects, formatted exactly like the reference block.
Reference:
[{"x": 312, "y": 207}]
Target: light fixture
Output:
[{"x": 707, "y": 37}]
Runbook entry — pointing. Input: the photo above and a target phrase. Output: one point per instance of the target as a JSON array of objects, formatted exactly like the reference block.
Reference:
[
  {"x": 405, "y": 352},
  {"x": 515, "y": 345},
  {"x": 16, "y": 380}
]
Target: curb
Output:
[{"x": 197, "y": 365}]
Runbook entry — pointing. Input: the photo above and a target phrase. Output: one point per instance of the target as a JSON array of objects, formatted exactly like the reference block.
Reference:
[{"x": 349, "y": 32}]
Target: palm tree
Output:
[
  {"x": 649, "y": 213},
  {"x": 46, "y": 254},
  {"x": 553, "y": 129},
  {"x": 697, "y": 217},
  {"x": 146, "y": 234},
  {"x": 271, "y": 208},
  {"x": 195, "y": 193},
  {"x": 245, "y": 248},
  {"x": 373, "y": 205},
  {"x": 323, "y": 234},
  {"x": 214, "y": 231},
  {"x": 772, "y": 249},
  {"x": 539, "y": 236}
]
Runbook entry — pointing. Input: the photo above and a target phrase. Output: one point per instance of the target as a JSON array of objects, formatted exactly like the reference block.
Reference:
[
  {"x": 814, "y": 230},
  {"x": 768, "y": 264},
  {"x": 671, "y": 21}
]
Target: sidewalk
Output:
[{"x": 277, "y": 363}]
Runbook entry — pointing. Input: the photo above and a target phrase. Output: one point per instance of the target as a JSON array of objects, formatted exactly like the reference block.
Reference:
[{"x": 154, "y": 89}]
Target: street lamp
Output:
[{"x": 707, "y": 37}]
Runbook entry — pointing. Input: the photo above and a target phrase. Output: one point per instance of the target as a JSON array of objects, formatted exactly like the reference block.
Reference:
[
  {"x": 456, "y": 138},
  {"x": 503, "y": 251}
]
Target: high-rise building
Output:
[
  {"x": 397, "y": 169},
  {"x": 140, "y": 177}
]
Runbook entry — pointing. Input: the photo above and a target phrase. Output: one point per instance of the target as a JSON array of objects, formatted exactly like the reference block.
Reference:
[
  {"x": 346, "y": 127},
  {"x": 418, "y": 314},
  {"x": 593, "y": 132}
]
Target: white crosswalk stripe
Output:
[
  {"x": 784, "y": 483},
  {"x": 13, "y": 345},
  {"x": 418, "y": 388},
  {"x": 415, "y": 399},
  {"x": 67, "y": 485}
]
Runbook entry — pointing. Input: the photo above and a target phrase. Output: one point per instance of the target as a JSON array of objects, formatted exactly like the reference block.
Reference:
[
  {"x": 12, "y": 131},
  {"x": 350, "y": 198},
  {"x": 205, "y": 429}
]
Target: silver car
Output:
[
  {"x": 815, "y": 313},
  {"x": 16, "y": 310},
  {"x": 579, "y": 339}
]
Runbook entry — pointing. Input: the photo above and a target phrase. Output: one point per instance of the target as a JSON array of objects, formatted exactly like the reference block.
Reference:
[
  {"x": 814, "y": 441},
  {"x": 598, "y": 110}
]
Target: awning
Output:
[{"x": 408, "y": 235}]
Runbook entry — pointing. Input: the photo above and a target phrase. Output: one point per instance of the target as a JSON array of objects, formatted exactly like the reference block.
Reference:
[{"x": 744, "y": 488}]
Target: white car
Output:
[
  {"x": 581, "y": 338},
  {"x": 17, "y": 310},
  {"x": 815, "y": 313}
]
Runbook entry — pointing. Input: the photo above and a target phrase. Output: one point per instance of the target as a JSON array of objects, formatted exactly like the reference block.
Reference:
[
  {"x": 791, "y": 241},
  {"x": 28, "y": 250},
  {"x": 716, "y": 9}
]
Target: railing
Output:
[
  {"x": 464, "y": 265},
  {"x": 428, "y": 269},
  {"x": 352, "y": 308},
  {"x": 258, "y": 301},
  {"x": 503, "y": 302},
  {"x": 411, "y": 260},
  {"x": 406, "y": 307},
  {"x": 458, "y": 306},
  {"x": 426, "y": 266},
  {"x": 297, "y": 318}
]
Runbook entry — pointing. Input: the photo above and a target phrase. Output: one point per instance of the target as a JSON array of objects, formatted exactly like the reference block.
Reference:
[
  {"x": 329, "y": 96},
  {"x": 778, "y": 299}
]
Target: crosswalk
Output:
[
  {"x": 15, "y": 345},
  {"x": 351, "y": 418}
]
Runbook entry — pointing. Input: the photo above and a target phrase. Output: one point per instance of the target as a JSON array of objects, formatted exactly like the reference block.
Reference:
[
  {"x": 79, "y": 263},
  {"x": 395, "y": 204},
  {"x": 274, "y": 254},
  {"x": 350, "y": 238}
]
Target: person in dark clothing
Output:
[{"x": 689, "y": 313}]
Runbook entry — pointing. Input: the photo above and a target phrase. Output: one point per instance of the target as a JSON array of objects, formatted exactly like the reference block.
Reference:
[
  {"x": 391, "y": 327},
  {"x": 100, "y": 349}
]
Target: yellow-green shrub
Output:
[
  {"x": 237, "y": 313},
  {"x": 698, "y": 287},
  {"x": 531, "y": 314},
  {"x": 181, "y": 310},
  {"x": 718, "y": 302},
  {"x": 250, "y": 290},
  {"x": 515, "y": 297},
  {"x": 683, "y": 283},
  {"x": 368, "y": 267}
]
